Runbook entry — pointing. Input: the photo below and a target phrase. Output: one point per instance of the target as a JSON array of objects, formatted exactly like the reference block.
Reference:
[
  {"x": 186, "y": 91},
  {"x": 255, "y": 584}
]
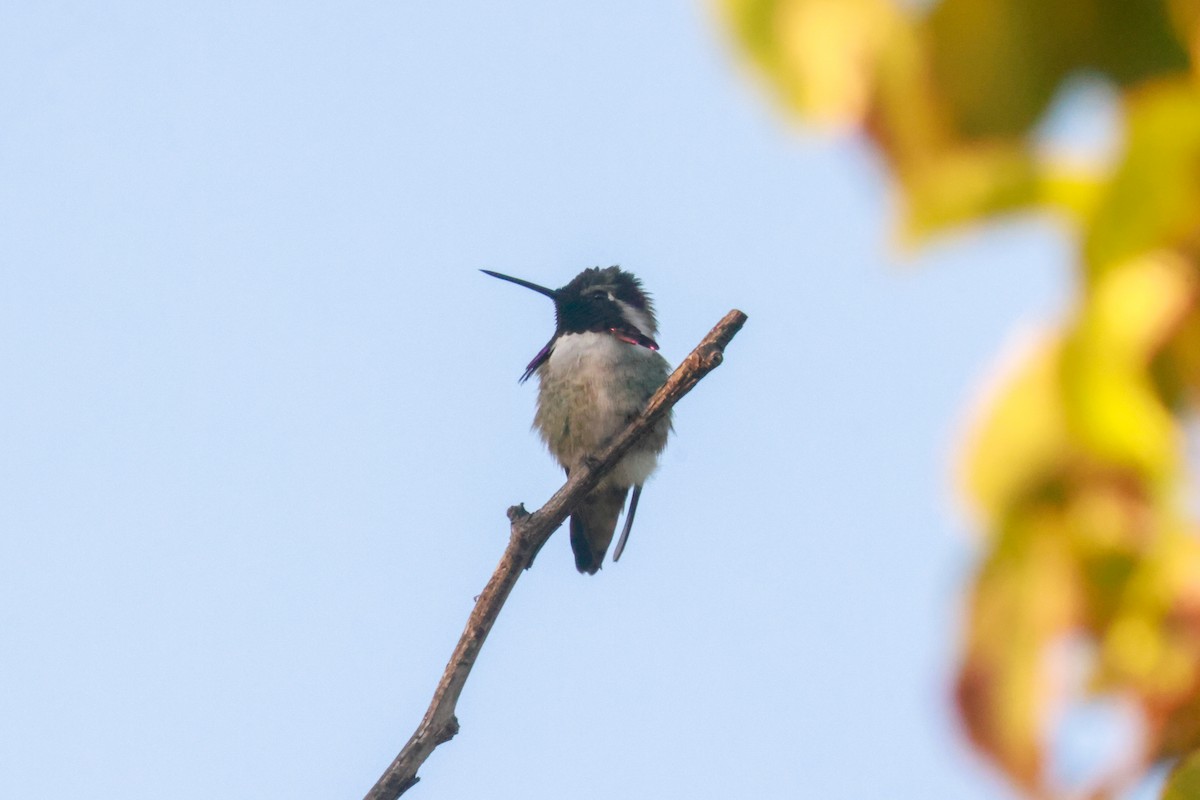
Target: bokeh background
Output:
[{"x": 260, "y": 418}]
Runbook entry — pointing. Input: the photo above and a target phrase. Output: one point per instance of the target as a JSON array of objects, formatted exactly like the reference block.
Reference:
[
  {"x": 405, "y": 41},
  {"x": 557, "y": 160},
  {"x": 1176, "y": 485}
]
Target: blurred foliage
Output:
[{"x": 1077, "y": 463}]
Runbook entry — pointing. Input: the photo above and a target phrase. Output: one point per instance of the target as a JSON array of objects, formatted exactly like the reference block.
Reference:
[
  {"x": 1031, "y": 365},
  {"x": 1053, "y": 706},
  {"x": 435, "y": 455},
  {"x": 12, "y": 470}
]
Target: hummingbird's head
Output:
[{"x": 603, "y": 300}]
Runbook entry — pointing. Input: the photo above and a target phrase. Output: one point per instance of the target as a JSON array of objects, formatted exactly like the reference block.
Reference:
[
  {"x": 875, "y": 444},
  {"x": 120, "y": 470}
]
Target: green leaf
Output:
[
  {"x": 1000, "y": 62},
  {"x": 1184, "y": 783}
]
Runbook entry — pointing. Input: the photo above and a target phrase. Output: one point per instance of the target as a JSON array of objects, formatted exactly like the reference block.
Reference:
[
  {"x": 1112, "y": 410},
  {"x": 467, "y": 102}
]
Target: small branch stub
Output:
[{"x": 528, "y": 532}]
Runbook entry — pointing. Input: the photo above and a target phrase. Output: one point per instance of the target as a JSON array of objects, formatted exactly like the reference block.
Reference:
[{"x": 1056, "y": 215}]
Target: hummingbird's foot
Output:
[{"x": 591, "y": 462}]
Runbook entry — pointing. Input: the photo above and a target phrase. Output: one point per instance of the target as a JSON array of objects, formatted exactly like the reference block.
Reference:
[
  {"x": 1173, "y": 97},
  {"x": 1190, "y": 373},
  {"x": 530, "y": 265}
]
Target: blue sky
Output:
[{"x": 261, "y": 417}]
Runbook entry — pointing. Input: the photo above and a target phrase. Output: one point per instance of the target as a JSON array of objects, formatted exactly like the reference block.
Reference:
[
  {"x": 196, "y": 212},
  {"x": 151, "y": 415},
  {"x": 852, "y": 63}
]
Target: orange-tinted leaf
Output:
[
  {"x": 1025, "y": 598},
  {"x": 1153, "y": 645}
]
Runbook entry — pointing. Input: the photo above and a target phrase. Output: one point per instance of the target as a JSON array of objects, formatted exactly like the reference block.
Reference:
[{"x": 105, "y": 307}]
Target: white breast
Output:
[
  {"x": 587, "y": 395},
  {"x": 592, "y": 357}
]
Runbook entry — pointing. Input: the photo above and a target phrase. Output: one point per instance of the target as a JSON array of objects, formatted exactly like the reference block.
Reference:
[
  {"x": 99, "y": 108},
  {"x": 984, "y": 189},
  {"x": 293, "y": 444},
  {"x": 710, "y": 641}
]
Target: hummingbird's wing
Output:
[
  {"x": 637, "y": 492},
  {"x": 539, "y": 359}
]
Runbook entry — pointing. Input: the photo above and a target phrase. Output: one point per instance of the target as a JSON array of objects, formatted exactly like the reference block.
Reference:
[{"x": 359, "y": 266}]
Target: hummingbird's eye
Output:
[{"x": 598, "y": 292}]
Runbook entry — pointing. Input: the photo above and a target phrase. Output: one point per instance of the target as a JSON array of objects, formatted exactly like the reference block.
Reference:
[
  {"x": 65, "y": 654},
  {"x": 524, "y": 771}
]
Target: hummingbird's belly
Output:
[{"x": 590, "y": 387}]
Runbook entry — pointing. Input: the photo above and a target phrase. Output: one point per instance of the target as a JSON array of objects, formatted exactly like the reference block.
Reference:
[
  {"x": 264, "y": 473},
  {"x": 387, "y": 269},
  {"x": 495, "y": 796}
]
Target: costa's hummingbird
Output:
[{"x": 596, "y": 373}]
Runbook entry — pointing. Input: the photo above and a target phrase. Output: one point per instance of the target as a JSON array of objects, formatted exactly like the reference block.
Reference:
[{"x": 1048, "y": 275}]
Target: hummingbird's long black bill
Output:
[{"x": 521, "y": 282}]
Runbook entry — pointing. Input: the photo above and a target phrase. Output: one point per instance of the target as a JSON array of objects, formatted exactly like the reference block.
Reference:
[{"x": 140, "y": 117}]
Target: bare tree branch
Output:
[{"x": 528, "y": 533}]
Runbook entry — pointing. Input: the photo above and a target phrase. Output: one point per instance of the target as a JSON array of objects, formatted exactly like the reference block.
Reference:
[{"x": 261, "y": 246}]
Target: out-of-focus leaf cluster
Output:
[{"x": 1077, "y": 464}]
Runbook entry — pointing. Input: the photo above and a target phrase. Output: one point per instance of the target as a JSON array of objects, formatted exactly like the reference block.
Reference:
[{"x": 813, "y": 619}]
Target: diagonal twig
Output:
[{"x": 527, "y": 535}]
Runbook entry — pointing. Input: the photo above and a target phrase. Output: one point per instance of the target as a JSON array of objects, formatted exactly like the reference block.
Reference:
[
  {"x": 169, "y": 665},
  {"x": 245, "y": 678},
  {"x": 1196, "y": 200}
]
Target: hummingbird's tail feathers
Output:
[
  {"x": 633, "y": 500},
  {"x": 593, "y": 525}
]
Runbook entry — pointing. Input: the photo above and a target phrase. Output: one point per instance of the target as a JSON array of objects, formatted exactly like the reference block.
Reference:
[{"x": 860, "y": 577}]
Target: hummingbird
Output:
[{"x": 597, "y": 373}]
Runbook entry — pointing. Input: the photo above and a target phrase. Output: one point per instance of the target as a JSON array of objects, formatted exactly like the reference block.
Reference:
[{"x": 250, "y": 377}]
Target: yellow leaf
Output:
[
  {"x": 968, "y": 185},
  {"x": 1019, "y": 438},
  {"x": 1113, "y": 405},
  {"x": 819, "y": 54},
  {"x": 974, "y": 183}
]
